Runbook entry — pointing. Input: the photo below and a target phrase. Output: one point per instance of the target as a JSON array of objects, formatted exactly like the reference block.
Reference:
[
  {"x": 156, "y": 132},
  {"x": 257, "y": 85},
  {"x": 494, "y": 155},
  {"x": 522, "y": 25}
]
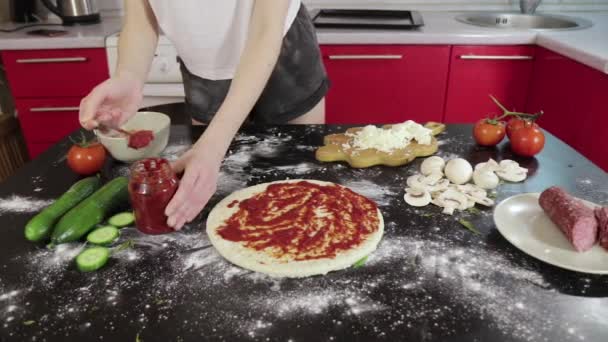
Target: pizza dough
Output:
[{"x": 297, "y": 228}]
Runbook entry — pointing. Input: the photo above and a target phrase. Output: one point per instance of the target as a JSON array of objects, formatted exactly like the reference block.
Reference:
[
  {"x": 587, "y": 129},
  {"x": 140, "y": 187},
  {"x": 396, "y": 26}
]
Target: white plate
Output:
[{"x": 522, "y": 221}]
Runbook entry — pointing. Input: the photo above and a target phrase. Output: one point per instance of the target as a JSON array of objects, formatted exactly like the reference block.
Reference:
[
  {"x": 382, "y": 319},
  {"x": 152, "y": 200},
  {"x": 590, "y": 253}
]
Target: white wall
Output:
[{"x": 446, "y": 5}]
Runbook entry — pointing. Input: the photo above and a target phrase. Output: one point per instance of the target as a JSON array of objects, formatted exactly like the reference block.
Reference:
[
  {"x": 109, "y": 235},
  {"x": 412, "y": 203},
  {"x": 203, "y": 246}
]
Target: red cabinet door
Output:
[
  {"x": 385, "y": 84},
  {"x": 55, "y": 73},
  {"x": 46, "y": 121},
  {"x": 573, "y": 99},
  {"x": 553, "y": 91},
  {"x": 478, "y": 71}
]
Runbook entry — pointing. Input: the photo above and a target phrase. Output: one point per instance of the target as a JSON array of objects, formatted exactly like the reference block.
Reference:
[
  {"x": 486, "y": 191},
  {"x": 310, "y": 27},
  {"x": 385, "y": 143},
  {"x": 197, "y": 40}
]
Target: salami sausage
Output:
[
  {"x": 576, "y": 220},
  {"x": 602, "y": 219}
]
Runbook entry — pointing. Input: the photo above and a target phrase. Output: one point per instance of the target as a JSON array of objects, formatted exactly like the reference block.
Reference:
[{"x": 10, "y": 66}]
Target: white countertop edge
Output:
[
  {"x": 56, "y": 43},
  {"x": 594, "y": 61},
  {"x": 423, "y": 38}
]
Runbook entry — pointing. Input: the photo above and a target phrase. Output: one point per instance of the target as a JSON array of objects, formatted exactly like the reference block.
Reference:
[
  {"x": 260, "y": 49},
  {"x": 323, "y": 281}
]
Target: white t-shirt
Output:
[{"x": 210, "y": 35}]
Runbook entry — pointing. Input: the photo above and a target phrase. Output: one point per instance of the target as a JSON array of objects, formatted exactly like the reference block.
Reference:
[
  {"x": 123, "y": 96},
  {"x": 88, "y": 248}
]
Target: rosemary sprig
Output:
[
  {"x": 468, "y": 225},
  {"x": 474, "y": 211},
  {"x": 125, "y": 245},
  {"x": 360, "y": 263}
]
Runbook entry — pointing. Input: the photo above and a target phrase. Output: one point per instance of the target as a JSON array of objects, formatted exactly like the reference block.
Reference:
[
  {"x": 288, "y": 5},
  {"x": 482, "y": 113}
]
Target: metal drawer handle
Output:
[
  {"x": 497, "y": 57},
  {"x": 54, "y": 109},
  {"x": 51, "y": 60},
  {"x": 351, "y": 57}
]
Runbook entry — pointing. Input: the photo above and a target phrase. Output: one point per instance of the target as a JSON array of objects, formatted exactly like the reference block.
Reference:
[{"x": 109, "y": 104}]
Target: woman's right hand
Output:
[{"x": 112, "y": 102}]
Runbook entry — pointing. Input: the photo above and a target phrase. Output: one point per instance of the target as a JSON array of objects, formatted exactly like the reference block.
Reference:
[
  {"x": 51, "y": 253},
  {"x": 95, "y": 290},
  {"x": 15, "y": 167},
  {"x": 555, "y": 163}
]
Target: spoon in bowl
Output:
[{"x": 137, "y": 139}]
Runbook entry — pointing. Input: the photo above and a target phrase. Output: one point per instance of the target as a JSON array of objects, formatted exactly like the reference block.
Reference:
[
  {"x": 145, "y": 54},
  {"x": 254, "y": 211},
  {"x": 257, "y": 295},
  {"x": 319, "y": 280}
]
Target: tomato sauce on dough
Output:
[{"x": 302, "y": 221}]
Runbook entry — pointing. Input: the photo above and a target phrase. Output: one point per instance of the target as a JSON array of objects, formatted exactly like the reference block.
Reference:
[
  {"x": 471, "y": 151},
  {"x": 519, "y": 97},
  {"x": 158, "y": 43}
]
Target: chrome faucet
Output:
[{"x": 528, "y": 6}]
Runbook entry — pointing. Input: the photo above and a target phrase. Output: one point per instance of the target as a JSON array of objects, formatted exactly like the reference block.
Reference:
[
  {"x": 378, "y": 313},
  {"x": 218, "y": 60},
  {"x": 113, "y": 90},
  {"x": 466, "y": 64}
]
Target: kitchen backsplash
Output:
[{"x": 462, "y": 5}]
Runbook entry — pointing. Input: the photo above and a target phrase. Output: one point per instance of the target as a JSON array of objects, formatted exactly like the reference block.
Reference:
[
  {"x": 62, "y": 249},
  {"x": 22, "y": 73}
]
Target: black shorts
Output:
[{"x": 297, "y": 84}]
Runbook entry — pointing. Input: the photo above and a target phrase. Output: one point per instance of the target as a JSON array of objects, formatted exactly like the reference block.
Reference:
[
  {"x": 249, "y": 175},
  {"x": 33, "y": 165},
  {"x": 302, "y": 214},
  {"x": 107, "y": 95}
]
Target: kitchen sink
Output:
[{"x": 525, "y": 21}]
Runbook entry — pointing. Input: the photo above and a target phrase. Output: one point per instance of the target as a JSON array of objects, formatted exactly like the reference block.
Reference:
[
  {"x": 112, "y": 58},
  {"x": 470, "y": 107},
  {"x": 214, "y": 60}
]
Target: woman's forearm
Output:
[
  {"x": 257, "y": 62},
  {"x": 137, "y": 41}
]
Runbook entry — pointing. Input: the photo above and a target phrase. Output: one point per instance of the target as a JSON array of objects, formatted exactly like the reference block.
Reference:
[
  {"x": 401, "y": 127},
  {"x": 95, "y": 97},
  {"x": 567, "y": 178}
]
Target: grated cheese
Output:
[{"x": 386, "y": 140}]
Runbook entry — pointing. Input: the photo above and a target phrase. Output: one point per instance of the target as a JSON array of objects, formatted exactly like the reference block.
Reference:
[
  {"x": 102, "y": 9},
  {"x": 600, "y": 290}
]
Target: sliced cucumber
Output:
[
  {"x": 122, "y": 219},
  {"x": 103, "y": 236},
  {"x": 92, "y": 259},
  {"x": 83, "y": 218}
]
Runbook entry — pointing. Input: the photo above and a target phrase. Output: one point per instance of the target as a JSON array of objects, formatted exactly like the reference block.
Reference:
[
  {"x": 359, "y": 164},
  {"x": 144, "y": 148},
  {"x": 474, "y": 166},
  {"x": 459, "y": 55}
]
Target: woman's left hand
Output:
[{"x": 196, "y": 186}]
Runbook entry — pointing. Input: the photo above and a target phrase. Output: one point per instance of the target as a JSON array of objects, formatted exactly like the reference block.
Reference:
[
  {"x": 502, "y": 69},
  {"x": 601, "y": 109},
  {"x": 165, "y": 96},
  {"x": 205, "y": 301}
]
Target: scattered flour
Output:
[
  {"x": 181, "y": 272},
  {"x": 379, "y": 194},
  {"x": 298, "y": 169},
  {"x": 174, "y": 151},
  {"x": 20, "y": 204}
]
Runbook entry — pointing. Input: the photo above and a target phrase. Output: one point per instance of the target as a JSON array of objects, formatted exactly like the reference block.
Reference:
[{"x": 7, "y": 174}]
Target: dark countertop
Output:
[{"x": 430, "y": 279}]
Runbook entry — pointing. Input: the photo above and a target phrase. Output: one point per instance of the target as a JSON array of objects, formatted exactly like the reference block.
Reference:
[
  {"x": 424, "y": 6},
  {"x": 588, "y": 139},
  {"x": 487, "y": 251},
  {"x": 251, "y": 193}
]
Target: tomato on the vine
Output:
[
  {"x": 515, "y": 124},
  {"x": 488, "y": 132},
  {"x": 528, "y": 140},
  {"x": 86, "y": 159}
]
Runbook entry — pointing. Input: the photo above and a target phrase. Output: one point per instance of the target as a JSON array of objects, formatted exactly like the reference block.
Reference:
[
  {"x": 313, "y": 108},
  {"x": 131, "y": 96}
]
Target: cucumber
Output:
[
  {"x": 103, "y": 236},
  {"x": 85, "y": 216},
  {"x": 122, "y": 219},
  {"x": 92, "y": 259},
  {"x": 40, "y": 226}
]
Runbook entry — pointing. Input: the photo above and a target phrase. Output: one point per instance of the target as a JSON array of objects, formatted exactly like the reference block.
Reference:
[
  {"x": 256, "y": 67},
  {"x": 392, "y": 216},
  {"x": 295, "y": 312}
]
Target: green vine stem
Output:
[{"x": 520, "y": 115}]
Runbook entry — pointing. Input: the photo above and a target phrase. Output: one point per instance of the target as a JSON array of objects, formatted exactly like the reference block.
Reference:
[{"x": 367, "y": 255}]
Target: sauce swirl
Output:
[{"x": 302, "y": 221}]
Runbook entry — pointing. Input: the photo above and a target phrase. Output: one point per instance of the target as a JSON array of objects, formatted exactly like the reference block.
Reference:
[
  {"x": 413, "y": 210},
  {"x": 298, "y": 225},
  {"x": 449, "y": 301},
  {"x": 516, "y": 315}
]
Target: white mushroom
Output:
[
  {"x": 450, "y": 200},
  {"x": 485, "y": 178},
  {"x": 511, "y": 171},
  {"x": 485, "y": 201},
  {"x": 513, "y": 175},
  {"x": 431, "y": 183},
  {"x": 417, "y": 197},
  {"x": 431, "y": 165},
  {"x": 475, "y": 194},
  {"x": 416, "y": 182},
  {"x": 458, "y": 171},
  {"x": 490, "y": 165},
  {"x": 507, "y": 164},
  {"x": 471, "y": 190}
]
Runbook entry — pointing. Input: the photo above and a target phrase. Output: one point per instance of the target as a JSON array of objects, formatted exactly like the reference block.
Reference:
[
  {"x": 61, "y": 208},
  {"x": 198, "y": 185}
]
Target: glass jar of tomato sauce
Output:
[{"x": 151, "y": 186}]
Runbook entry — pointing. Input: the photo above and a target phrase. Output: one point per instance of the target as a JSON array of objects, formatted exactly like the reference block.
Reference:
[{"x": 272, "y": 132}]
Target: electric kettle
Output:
[{"x": 74, "y": 11}]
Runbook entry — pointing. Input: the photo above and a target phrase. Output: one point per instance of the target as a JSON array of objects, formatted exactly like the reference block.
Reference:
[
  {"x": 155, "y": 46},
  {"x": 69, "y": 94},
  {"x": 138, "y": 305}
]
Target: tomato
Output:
[
  {"x": 528, "y": 140},
  {"x": 86, "y": 159},
  {"x": 514, "y": 124},
  {"x": 488, "y": 132}
]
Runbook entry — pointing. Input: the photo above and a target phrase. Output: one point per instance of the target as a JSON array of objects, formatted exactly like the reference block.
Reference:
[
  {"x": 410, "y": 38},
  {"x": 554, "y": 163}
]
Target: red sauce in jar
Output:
[
  {"x": 302, "y": 221},
  {"x": 151, "y": 186}
]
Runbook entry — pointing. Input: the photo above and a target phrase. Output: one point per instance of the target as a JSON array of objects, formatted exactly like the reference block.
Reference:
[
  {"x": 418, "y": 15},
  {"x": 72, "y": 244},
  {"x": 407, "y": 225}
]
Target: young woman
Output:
[{"x": 256, "y": 59}]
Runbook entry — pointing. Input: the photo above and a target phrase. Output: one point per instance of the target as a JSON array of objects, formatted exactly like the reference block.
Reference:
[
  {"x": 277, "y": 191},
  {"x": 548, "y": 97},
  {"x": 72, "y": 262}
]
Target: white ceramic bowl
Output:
[{"x": 158, "y": 123}]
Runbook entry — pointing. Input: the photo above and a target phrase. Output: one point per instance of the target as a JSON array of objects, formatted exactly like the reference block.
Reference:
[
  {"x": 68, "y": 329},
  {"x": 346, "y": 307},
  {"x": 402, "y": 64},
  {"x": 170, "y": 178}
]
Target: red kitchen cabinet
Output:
[
  {"x": 54, "y": 73},
  {"x": 573, "y": 98},
  {"x": 48, "y": 120},
  {"x": 385, "y": 84},
  {"x": 47, "y": 86},
  {"x": 478, "y": 71}
]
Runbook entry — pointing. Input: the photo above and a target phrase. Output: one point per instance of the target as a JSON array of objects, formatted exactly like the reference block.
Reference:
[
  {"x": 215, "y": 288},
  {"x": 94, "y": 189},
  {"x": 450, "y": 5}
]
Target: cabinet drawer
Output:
[
  {"x": 54, "y": 73},
  {"x": 48, "y": 120},
  {"x": 385, "y": 83},
  {"x": 479, "y": 71}
]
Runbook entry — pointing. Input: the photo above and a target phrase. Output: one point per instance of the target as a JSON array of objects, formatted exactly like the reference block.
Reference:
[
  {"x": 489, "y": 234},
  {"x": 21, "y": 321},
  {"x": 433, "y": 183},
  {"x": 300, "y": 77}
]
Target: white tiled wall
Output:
[{"x": 446, "y": 5}]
